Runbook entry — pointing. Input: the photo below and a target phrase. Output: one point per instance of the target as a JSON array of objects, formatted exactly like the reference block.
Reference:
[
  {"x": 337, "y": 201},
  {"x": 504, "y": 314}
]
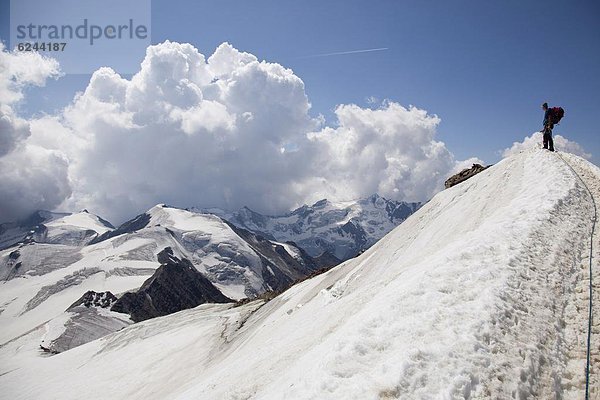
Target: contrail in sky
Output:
[{"x": 346, "y": 52}]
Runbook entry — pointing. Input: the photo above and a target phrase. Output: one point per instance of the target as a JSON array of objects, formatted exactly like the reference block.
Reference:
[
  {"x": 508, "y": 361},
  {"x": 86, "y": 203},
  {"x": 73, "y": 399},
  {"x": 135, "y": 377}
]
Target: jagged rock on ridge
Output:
[
  {"x": 92, "y": 298},
  {"x": 176, "y": 285},
  {"x": 464, "y": 175},
  {"x": 87, "y": 319},
  {"x": 130, "y": 226}
]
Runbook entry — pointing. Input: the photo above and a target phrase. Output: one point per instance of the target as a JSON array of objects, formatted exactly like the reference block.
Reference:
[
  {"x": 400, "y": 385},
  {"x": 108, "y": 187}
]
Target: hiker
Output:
[{"x": 548, "y": 125}]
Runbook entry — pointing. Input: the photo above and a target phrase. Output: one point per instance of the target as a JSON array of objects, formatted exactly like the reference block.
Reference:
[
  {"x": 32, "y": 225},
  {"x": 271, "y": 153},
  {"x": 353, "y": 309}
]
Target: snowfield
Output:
[{"x": 481, "y": 294}]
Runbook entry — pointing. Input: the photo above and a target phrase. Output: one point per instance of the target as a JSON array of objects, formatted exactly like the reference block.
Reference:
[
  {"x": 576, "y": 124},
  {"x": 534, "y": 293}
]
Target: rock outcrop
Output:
[
  {"x": 95, "y": 299},
  {"x": 176, "y": 285},
  {"x": 464, "y": 175},
  {"x": 87, "y": 319}
]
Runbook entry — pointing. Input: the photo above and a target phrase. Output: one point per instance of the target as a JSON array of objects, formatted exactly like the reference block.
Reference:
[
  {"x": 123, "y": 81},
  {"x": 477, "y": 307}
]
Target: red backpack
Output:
[{"x": 556, "y": 114}]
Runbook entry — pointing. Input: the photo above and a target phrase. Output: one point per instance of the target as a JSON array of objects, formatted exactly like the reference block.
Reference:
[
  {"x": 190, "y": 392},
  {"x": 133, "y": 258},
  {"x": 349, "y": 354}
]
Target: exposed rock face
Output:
[
  {"x": 176, "y": 285},
  {"x": 87, "y": 319},
  {"x": 95, "y": 299},
  {"x": 326, "y": 260},
  {"x": 70, "y": 280},
  {"x": 130, "y": 226},
  {"x": 281, "y": 267},
  {"x": 464, "y": 175}
]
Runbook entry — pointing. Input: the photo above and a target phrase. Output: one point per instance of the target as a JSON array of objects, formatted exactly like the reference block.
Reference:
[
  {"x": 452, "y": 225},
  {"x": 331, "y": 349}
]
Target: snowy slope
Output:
[
  {"x": 57, "y": 228},
  {"x": 14, "y": 232},
  {"x": 41, "y": 280},
  {"x": 238, "y": 263},
  {"x": 75, "y": 229},
  {"x": 479, "y": 294},
  {"x": 88, "y": 319},
  {"x": 342, "y": 228}
]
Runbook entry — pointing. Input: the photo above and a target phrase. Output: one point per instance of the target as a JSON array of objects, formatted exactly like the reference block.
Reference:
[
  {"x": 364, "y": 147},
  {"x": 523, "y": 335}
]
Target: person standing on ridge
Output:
[{"x": 548, "y": 125}]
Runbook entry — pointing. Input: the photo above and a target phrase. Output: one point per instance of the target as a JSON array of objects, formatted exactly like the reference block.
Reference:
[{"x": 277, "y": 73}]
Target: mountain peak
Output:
[
  {"x": 54, "y": 228},
  {"x": 157, "y": 208},
  {"x": 344, "y": 229},
  {"x": 321, "y": 203}
]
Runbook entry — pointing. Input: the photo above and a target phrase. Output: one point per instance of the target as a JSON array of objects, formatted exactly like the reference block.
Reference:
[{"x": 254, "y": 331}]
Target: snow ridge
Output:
[{"x": 479, "y": 294}]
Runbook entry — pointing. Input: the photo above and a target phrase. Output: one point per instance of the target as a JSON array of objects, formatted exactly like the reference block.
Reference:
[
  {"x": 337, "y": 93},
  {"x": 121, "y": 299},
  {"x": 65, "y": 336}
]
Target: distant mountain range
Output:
[
  {"x": 343, "y": 229},
  {"x": 84, "y": 278}
]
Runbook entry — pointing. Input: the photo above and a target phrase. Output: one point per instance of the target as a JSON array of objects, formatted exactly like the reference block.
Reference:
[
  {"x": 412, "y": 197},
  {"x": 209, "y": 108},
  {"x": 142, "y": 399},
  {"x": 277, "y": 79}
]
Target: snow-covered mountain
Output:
[
  {"x": 343, "y": 229},
  {"x": 482, "y": 293},
  {"x": 43, "y": 279},
  {"x": 56, "y": 228}
]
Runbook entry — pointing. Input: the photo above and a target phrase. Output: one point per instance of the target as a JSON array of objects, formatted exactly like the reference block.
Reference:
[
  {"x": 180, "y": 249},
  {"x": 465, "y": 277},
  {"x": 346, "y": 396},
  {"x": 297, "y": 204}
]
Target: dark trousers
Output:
[{"x": 548, "y": 142}]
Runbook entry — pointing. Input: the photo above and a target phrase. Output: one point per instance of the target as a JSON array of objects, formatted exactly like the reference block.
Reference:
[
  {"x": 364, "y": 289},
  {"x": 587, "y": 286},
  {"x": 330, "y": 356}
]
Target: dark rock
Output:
[
  {"x": 176, "y": 285},
  {"x": 320, "y": 204},
  {"x": 356, "y": 232},
  {"x": 130, "y": 226},
  {"x": 105, "y": 223},
  {"x": 401, "y": 211},
  {"x": 85, "y": 322},
  {"x": 166, "y": 256},
  {"x": 171, "y": 233},
  {"x": 48, "y": 350},
  {"x": 326, "y": 260},
  {"x": 95, "y": 299},
  {"x": 254, "y": 217},
  {"x": 280, "y": 269},
  {"x": 464, "y": 175}
]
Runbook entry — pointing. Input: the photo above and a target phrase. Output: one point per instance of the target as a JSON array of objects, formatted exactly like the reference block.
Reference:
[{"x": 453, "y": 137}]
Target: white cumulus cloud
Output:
[
  {"x": 228, "y": 130},
  {"x": 19, "y": 69},
  {"x": 31, "y": 177},
  {"x": 186, "y": 132},
  {"x": 389, "y": 150}
]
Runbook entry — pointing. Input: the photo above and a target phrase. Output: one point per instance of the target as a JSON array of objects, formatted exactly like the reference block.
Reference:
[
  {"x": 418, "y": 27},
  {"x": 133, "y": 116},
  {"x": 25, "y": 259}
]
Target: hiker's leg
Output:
[
  {"x": 550, "y": 142},
  {"x": 545, "y": 140}
]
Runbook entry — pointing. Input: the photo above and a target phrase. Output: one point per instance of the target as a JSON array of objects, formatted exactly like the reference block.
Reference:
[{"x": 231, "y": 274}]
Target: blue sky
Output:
[{"x": 483, "y": 67}]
